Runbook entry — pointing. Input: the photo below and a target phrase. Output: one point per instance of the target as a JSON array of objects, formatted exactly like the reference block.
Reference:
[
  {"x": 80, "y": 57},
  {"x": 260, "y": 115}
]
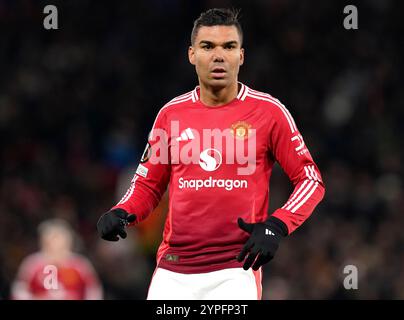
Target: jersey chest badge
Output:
[{"x": 241, "y": 130}]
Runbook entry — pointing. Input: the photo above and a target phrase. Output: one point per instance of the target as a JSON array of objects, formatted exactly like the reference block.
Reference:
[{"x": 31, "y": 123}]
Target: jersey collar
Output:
[{"x": 240, "y": 96}]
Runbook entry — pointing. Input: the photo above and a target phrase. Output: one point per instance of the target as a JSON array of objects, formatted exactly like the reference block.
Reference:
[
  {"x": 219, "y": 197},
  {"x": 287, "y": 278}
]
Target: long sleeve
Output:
[
  {"x": 152, "y": 175},
  {"x": 290, "y": 151}
]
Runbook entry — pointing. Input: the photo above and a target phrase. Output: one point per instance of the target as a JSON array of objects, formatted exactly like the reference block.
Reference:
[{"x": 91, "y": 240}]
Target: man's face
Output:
[
  {"x": 217, "y": 55},
  {"x": 56, "y": 241}
]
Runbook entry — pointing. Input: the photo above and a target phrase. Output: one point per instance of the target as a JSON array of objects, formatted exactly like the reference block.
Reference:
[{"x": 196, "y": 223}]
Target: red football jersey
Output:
[
  {"x": 217, "y": 162},
  {"x": 39, "y": 278}
]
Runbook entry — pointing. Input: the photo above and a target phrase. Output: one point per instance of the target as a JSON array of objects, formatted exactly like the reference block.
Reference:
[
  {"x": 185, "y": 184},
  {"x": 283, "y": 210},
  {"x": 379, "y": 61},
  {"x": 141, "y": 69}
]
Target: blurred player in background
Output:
[
  {"x": 56, "y": 272},
  {"x": 215, "y": 147}
]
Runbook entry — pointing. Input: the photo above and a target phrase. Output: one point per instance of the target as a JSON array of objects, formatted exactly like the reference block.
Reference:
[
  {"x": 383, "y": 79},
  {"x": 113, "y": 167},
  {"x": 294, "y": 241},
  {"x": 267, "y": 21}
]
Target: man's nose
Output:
[
  {"x": 218, "y": 59},
  {"x": 218, "y": 55}
]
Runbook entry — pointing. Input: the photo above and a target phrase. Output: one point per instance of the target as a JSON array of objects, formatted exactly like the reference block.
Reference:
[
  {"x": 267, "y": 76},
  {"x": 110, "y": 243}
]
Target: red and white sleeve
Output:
[
  {"x": 152, "y": 175},
  {"x": 290, "y": 151}
]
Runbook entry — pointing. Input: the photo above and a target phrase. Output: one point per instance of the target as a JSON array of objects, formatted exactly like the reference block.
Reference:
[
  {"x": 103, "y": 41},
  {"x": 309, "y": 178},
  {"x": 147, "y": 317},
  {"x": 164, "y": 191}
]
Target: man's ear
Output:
[
  {"x": 241, "y": 56},
  {"x": 191, "y": 55}
]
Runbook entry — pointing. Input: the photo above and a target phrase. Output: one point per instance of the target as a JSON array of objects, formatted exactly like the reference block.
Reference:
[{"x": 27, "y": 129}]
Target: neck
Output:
[
  {"x": 56, "y": 256},
  {"x": 215, "y": 97}
]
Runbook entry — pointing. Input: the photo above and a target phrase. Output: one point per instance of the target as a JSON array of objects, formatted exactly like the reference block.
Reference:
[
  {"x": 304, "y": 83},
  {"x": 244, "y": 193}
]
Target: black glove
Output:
[
  {"x": 263, "y": 242},
  {"x": 113, "y": 223}
]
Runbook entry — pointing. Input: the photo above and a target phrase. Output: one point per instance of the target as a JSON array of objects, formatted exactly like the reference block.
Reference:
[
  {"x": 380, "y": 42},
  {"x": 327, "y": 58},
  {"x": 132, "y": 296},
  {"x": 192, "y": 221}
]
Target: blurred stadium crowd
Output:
[{"x": 77, "y": 103}]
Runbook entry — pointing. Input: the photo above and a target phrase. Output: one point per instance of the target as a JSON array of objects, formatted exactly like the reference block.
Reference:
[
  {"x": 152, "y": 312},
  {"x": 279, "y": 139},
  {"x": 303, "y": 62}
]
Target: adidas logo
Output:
[
  {"x": 269, "y": 232},
  {"x": 186, "y": 135}
]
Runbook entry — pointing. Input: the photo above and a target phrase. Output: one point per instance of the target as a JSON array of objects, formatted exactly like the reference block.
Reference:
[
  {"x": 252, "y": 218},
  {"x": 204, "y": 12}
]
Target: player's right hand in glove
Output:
[{"x": 113, "y": 223}]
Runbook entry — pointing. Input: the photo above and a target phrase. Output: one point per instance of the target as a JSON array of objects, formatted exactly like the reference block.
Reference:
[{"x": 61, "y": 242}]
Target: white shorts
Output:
[{"x": 226, "y": 284}]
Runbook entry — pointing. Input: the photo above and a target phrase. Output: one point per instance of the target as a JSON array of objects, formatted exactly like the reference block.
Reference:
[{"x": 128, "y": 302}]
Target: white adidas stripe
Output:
[
  {"x": 299, "y": 193},
  {"x": 311, "y": 173},
  {"x": 286, "y": 113},
  {"x": 314, "y": 173},
  {"x": 291, "y": 126},
  {"x": 129, "y": 193},
  {"x": 187, "y": 97},
  {"x": 305, "y": 198},
  {"x": 172, "y": 102},
  {"x": 186, "y": 135},
  {"x": 294, "y": 195},
  {"x": 292, "y": 204},
  {"x": 189, "y": 133},
  {"x": 308, "y": 174},
  {"x": 181, "y": 96},
  {"x": 126, "y": 194}
]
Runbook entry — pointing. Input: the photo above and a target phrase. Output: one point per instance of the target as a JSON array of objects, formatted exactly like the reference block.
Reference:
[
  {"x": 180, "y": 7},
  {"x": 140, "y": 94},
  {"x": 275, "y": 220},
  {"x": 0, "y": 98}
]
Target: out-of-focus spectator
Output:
[
  {"x": 124, "y": 268},
  {"x": 56, "y": 272}
]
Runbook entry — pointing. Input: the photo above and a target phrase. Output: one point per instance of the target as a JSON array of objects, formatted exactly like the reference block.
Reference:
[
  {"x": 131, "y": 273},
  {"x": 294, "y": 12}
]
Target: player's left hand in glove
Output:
[
  {"x": 263, "y": 242},
  {"x": 113, "y": 223}
]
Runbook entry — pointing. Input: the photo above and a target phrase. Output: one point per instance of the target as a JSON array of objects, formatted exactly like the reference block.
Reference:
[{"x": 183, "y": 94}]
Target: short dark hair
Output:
[{"x": 217, "y": 17}]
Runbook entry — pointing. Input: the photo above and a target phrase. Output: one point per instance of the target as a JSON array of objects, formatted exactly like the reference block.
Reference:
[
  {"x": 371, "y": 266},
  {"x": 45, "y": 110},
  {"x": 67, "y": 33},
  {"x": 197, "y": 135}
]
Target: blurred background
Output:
[{"x": 77, "y": 103}]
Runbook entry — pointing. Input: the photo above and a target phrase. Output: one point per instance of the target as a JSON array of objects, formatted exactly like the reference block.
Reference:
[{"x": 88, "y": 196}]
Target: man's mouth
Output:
[{"x": 218, "y": 72}]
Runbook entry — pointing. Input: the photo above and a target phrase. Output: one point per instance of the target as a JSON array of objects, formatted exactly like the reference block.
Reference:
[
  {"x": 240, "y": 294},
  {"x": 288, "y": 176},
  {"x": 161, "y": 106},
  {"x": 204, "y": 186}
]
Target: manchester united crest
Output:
[{"x": 241, "y": 130}]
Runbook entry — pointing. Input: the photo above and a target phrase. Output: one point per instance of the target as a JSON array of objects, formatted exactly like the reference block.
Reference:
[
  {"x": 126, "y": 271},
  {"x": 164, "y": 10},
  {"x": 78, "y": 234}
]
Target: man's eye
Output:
[
  {"x": 207, "y": 47},
  {"x": 230, "y": 47}
]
